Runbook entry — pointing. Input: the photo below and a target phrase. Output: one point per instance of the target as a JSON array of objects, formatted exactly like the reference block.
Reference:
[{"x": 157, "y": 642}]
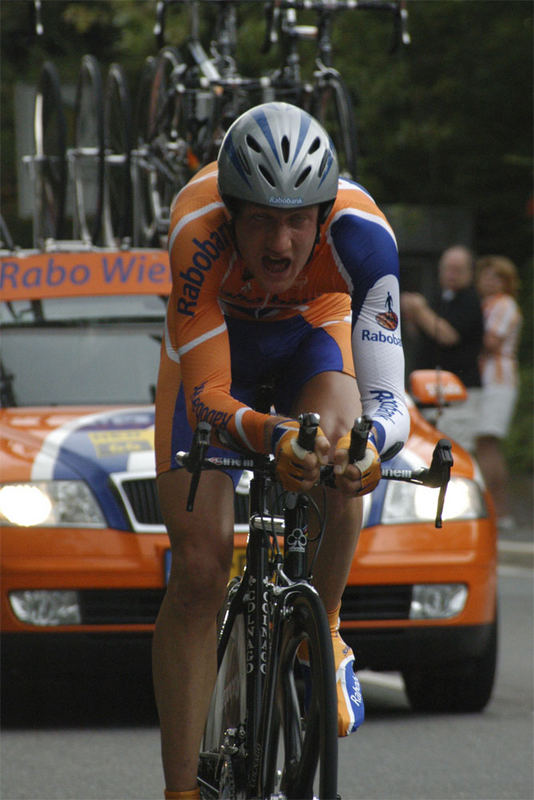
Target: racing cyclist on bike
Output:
[{"x": 281, "y": 272}]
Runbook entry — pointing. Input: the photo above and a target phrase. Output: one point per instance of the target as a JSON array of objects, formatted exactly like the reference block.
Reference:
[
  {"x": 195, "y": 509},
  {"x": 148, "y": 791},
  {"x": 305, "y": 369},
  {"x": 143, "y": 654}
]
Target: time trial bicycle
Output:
[{"x": 271, "y": 730}]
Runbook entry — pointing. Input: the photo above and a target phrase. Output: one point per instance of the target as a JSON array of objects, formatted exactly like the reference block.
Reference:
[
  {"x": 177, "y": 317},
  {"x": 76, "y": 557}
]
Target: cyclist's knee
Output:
[
  {"x": 198, "y": 577},
  {"x": 342, "y": 507}
]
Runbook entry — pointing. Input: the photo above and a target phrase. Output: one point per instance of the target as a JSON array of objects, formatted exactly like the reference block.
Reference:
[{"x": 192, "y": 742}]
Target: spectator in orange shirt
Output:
[{"x": 497, "y": 284}]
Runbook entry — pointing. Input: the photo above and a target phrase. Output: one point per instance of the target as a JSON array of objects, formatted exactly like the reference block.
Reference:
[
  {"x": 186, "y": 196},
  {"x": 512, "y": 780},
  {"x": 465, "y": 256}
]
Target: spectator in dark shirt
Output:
[{"x": 449, "y": 335}]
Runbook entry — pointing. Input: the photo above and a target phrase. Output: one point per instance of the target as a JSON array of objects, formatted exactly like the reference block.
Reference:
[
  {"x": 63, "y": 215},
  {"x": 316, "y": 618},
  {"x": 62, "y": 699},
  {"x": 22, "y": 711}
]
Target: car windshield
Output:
[{"x": 80, "y": 351}]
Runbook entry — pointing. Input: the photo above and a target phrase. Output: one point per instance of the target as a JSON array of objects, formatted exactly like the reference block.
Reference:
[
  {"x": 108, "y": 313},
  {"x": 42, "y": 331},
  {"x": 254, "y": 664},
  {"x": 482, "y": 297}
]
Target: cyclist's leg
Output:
[
  {"x": 184, "y": 650},
  {"x": 335, "y": 397}
]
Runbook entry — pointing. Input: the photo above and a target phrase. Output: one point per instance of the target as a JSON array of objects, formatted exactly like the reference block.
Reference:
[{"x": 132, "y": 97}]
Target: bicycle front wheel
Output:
[
  {"x": 331, "y": 104},
  {"x": 88, "y": 155},
  {"x": 50, "y": 132},
  {"x": 300, "y": 753},
  {"x": 117, "y": 214},
  {"x": 221, "y": 770}
]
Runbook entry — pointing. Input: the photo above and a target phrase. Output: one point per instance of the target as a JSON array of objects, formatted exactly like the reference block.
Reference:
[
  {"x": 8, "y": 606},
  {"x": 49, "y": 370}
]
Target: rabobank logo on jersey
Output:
[
  {"x": 383, "y": 338},
  {"x": 387, "y": 319},
  {"x": 206, "y": 254}
]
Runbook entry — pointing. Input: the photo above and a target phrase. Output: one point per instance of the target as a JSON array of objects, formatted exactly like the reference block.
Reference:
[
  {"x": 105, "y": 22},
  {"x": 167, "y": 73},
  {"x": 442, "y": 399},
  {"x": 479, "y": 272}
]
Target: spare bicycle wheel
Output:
[
  {"x": 117, "y": 201},
  {"x": 331, "y": 104},
  {"x": 50, "y": 172},
  {"x": 88, "y": 153}
]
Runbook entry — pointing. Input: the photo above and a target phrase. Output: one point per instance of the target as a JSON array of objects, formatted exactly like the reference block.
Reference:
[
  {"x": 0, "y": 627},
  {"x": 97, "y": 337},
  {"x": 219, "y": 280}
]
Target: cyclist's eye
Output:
[
  {"x": 300, "y": 220},
  {"x": 258, "y": 218}
]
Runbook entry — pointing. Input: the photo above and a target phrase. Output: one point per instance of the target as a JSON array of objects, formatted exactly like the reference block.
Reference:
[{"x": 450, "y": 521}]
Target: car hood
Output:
[
  {"x": 92, "y": 443},
  {"x": 88, "y": 443}
]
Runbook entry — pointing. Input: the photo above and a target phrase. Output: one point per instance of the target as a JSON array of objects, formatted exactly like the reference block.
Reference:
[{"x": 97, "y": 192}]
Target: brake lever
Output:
[
  {"x": 439, "y": 471},
  {"x": 439, "y": 474},
  {"x": 193, "y": 462},
  {"x": 308, "y": 430},
  {"x": 358, "y": 438}
]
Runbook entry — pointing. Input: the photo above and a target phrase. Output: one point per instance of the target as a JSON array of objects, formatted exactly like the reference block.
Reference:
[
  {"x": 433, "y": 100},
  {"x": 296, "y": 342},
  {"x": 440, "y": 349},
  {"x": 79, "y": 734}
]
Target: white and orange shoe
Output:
[{"x": 350, "y": 706}]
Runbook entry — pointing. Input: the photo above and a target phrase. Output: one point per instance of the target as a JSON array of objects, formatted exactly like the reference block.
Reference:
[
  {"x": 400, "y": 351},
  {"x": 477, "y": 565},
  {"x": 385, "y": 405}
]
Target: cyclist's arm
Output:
[
  {"x": 366, "y": 255},
  {"x": 379, "y": 364}
]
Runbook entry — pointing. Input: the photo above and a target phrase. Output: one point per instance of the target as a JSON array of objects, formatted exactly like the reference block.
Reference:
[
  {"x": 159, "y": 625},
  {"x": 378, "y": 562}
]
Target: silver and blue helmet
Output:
[{"x": 277, "y": 155}]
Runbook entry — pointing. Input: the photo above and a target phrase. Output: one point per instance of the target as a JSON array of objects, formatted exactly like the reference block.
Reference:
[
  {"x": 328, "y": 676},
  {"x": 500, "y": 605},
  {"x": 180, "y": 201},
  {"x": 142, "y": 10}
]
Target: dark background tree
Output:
[{"x": 444, "y": 122}]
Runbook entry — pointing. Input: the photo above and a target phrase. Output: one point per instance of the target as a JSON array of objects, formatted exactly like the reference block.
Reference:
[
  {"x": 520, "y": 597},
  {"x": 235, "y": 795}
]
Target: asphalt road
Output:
[{"x": 98, "y": 739}]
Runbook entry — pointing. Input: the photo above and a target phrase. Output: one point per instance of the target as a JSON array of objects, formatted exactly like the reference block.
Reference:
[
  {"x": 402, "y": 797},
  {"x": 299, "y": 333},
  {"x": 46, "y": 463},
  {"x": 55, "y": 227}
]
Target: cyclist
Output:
[{"x": 281, "y": 271}]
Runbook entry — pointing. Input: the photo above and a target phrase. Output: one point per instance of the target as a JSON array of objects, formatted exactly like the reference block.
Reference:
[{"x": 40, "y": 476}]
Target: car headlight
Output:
[
  {"x": 438, "y": 600},
  {"x": 50, "y": 504},
  {"x": 407, "y": 502},
  {"x": 46, "y": 607}
]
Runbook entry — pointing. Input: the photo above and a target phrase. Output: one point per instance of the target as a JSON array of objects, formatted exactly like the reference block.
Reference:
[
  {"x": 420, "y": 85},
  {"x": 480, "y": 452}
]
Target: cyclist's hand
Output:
[
  {"x": 297, "y": 469},
  {"x": 358, "y": 478}
]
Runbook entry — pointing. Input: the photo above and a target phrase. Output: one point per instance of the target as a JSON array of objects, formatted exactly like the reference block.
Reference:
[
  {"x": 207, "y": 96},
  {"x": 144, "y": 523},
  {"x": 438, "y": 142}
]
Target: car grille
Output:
[
  {"x": 383, "y": 602},
  {"x": 140, "y": 606},
  {"x": 119, "y": 606},
  {"x": 142, "y": 497},
  {"x": 376, "y": 602}
]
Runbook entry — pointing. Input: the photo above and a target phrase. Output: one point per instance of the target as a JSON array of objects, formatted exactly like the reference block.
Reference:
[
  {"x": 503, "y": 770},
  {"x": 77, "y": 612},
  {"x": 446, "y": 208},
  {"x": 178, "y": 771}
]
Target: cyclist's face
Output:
[{"x": 275, "y": 244}]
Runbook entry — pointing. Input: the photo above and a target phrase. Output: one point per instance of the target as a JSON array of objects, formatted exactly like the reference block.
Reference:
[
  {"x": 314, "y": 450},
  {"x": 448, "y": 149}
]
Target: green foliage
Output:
[
  {"x": 519, "y": 445},
  {"x": 447, "y": 120}
]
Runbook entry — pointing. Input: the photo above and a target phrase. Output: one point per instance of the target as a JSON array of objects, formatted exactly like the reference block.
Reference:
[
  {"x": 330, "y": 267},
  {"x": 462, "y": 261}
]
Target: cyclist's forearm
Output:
[{"x": 379, "y": 364}]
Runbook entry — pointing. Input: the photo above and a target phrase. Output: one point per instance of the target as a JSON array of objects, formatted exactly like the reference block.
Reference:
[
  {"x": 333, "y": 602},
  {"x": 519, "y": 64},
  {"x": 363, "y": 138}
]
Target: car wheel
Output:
[{"x": 464, "y": 686}]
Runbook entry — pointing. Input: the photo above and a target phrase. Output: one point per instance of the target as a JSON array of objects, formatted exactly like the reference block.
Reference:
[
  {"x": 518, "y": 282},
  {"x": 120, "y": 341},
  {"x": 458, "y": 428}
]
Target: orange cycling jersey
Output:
[{"x": 352, "y": 276}]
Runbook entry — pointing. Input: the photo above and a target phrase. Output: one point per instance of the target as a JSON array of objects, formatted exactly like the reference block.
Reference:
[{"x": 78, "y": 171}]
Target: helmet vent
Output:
[
  {"x": 244, "y": 161},
  {"x": 285, "y": 148},
  {"x": 267, "y": 175},
  {"x": 314, "y": 145},
  {"x": 323, "y": 163},
  {"x": 302, "y": 177},
  {"x": 253, "y": 143}
]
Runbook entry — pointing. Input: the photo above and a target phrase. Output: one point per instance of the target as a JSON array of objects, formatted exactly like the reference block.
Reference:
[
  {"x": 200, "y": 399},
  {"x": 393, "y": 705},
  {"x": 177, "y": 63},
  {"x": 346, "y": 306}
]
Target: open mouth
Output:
[{"x": 275, "y": 266}]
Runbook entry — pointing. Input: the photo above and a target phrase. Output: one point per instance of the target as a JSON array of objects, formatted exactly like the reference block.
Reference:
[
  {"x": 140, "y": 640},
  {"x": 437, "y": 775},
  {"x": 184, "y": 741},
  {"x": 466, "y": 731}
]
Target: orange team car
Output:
[{"x": 84, "y": 549}]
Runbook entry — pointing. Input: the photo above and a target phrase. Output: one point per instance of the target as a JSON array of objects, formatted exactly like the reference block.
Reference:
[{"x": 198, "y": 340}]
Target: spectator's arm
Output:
[
  {"x": 492, "y": 342},
  {"x": 416, "y": 310}
]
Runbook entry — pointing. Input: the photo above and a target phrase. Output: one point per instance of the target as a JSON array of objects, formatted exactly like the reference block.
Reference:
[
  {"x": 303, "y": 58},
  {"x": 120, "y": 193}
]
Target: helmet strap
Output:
[{"x": 315, "y": 243}]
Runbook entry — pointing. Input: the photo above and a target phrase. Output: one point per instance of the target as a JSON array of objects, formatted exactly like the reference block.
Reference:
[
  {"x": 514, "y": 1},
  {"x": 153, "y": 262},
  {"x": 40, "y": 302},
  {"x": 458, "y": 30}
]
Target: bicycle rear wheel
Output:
[
  {"x": 300, "y": 748},
  {"x": 117, "y": 210},
  {"x": 221, "y": 770},
  {"x": 50, "y": 134},
  {"x": 88, "y": 155},
  {"x": 331, "y": 104}
]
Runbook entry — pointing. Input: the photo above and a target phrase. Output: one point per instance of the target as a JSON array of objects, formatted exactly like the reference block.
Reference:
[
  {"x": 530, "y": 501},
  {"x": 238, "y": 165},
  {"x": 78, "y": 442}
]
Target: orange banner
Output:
[{"x": 33, "y": 276}]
